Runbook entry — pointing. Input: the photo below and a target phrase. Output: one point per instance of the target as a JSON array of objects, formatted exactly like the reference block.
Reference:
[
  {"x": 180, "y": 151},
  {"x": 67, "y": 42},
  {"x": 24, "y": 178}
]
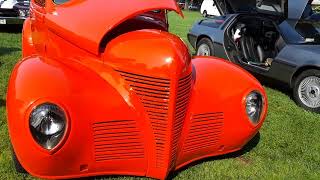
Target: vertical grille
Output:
[
  {"x": 117, "y": 140},
  {"x": 182, "y": 101},
  {"x": 154, "y": 94},
  {"x": 204, "y": 132}
]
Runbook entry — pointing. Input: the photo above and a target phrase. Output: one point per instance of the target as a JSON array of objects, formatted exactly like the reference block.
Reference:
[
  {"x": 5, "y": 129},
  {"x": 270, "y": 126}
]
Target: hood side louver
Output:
[
  {"x": 182, "y": 102},
  {"x": 117, "y": 140},
  {"x": 205, "y": 131}
]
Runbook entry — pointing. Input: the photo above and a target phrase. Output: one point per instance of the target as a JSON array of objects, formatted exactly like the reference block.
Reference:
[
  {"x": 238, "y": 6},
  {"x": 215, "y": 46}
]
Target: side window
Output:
[
  {"x": 41, "y": 3},
  {"x": 60, "y": 1},
  {"x": 309, "y": 30}
]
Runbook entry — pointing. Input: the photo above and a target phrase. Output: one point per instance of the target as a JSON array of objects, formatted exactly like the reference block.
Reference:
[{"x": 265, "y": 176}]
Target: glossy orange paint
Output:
[{"x": 136, "y": 104}]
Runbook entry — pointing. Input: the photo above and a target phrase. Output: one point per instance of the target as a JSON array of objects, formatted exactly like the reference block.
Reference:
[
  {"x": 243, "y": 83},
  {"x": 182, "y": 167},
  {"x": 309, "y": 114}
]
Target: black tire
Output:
[
  {"x": 207, "y": 44},
  {"x": 205, "y": 14},
  {"x": 16, "y": 163},
  {"x": 296, "y": 90}
]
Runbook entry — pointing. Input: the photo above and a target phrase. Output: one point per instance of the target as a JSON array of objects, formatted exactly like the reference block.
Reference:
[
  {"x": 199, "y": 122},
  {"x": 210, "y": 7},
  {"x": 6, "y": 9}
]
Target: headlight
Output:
[
  {"x": 23, "y": 12},
  {"x": 254, "y": 106},
  {"x": 47, "y": 125}
]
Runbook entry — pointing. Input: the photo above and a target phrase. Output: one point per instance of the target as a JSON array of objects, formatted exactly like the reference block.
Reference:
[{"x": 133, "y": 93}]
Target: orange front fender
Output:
[
  {"x": 87, "y": 99},
  {"x": 217, "y": 123}
]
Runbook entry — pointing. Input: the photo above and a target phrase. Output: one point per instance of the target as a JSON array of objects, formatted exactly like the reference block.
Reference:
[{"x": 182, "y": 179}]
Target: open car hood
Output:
[
  {"x": 85, "y": 23},
  {"x": 296, "y": 8},
  {"x": 291, "y": 9},
  {"x": 234, "y": 6}
]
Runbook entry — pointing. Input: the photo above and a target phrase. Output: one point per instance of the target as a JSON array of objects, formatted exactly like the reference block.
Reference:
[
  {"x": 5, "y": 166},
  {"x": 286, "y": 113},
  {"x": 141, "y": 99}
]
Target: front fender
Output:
[
  {"x": 87, "y": 100},
  {"x": 217, "y": 116}
]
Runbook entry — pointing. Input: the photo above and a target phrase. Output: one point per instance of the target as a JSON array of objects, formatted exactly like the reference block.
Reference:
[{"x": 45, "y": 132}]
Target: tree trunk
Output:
[{"x": 186, "y": 5}]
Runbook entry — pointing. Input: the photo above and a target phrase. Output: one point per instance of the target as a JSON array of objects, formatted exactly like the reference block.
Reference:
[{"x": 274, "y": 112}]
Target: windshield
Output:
[{"x": 309, "y": 30}]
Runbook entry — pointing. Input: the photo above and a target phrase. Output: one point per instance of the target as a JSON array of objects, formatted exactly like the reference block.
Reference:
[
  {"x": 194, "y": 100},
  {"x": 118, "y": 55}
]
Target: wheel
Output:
[
  {"x": 16, "y": 162},
  {"x": 306, "y": 90},
  {"x": 205, "y": 47},
  {"x": 205, "y": 13}
]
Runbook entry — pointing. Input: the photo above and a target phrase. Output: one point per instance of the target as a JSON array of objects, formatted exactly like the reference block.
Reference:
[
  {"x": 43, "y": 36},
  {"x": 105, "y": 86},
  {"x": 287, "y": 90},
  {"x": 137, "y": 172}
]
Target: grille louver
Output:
[
  {"x": 205, "y": 131},
  {"x": 182, "y": 101},
  {"x": 117, "y": 140},
  {"x": 154, "y": 94}
]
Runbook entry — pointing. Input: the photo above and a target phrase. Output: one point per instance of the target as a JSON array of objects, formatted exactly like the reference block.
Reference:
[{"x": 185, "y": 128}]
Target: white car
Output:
[
  {"x": 13, "y": 11},
  {"x": 208, "y": 8},
  {"x": 316, "y": 2}
]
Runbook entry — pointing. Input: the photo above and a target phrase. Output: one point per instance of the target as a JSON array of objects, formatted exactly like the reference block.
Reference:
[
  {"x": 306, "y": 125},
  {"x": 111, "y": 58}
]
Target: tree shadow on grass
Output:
[
  {"x": 276, "y": 85},
  {"x": 247, "y": 148},
  {"x": 16, "y": 29},
  {"x": 8, "y": 50},
  {"x": 2, "y": 103}
]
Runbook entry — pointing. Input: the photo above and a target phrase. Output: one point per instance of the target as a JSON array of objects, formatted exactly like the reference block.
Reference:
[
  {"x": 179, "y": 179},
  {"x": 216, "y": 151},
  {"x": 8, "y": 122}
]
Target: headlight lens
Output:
[
  {"x": 47, "y": 125},
  {"x": 254, "y": 106},
  {"x": 24, "y": 12}
]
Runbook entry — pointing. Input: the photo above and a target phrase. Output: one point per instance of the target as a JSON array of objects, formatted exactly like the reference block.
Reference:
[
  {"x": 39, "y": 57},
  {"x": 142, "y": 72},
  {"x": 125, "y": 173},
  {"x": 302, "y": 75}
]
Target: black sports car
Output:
[
  {"x": 275, "y": 39},
  {"x": 14, "y": 11}
]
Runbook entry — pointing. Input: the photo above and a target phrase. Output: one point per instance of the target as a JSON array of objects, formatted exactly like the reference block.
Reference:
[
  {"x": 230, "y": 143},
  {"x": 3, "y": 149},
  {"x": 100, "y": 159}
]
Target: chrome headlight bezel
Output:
[
  {"x": 48, "y": 125},
  {"x": 23, "y": 13},
  {"x": 254, "y": 106}
]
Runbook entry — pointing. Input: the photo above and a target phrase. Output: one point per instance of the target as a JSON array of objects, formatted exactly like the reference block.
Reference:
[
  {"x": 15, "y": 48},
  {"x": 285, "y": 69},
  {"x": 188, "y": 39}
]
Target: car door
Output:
[
  {"x": 296, "y": 8},
  {"x": 213, "y": 9},
  {"x": 281, "y": 63}
]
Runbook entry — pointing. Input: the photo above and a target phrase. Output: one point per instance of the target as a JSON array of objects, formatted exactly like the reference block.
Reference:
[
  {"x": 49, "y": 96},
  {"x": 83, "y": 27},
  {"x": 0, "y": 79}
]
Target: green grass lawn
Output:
[{"x": 288, "y": 147}]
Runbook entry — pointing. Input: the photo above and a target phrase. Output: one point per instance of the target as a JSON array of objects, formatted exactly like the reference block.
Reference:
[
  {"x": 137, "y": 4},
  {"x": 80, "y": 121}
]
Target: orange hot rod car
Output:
[{"x": 104, "y": 89}]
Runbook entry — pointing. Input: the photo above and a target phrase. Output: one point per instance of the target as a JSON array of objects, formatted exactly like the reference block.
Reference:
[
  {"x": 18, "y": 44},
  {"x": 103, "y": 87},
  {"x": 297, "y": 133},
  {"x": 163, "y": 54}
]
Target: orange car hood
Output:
[{"x": 76, "y": 22}]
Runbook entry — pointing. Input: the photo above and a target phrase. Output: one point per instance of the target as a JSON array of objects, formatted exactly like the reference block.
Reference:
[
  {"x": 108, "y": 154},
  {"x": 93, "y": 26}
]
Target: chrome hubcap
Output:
[
  {"x": 309, "y": 91},
  {"x": 203, "y": 50}
]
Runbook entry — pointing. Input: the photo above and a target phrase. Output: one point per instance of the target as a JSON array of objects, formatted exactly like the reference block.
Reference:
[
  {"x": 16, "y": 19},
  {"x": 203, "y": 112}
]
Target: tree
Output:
[
  {"x": 186, "y": 5},
  {"x": 187, "y": 2}
]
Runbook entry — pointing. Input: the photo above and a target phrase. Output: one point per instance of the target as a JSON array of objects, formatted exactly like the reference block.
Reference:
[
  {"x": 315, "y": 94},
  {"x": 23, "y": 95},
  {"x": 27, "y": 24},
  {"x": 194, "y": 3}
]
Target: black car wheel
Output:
[
  {"x": 205, "y": 47},
  {"x": 306, "y": 90},
  {"x": 205, "y": 14},
  {"x": 16, "y": 162}
]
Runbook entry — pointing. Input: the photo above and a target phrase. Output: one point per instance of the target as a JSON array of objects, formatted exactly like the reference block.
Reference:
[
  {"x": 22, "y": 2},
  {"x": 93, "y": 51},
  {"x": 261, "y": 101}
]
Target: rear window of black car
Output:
[{"x": 212, "y": 23}]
